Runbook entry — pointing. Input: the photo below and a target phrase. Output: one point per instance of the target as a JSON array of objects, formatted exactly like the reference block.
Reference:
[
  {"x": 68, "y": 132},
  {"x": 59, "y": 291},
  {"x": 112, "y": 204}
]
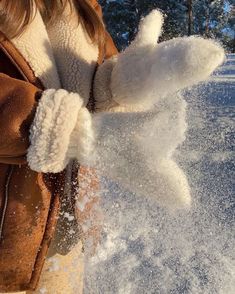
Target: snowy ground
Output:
[{"x": 146, "y": 250}]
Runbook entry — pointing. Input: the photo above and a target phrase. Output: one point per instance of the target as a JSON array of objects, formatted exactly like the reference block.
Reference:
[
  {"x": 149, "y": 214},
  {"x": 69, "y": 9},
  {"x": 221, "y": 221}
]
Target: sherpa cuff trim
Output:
[{"x": 55, "y": 119}]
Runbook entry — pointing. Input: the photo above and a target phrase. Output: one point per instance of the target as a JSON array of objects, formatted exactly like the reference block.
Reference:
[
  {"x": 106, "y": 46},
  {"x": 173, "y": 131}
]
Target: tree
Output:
[{"x": 210, "y": 17}]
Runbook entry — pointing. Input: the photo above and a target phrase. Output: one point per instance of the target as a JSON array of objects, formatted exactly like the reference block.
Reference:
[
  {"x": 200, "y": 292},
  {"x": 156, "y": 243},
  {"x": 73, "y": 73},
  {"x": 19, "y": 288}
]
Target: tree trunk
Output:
[
  {"x": 190, "y": 17},
  {"x": 207, "y": 23}
]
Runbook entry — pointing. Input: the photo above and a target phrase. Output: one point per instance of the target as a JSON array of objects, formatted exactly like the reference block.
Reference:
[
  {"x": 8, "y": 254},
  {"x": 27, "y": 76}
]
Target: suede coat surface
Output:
[{"x": 29, "y": 201}]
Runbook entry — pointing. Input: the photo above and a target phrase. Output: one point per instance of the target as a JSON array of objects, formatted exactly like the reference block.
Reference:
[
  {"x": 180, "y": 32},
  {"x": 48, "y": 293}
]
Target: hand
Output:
[{"x": 146, "y": 72}]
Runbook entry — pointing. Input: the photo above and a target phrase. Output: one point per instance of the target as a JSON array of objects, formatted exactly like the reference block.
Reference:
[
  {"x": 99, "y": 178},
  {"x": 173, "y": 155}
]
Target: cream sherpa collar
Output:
[{"x": 62, "y": 56}]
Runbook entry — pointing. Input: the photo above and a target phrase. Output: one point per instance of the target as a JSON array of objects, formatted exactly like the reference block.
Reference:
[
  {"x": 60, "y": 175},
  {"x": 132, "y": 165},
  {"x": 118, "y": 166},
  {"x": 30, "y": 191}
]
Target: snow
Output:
[{"x": 146, "y": 249}]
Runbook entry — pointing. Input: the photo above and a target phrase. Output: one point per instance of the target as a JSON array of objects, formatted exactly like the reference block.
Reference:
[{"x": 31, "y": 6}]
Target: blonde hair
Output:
[{"x": 15, "y": 16}]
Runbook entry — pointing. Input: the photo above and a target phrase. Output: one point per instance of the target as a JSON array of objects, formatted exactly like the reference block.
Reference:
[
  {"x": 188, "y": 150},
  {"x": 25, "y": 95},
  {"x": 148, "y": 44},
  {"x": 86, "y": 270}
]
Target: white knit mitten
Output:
[{"x": 146, "y": 72}]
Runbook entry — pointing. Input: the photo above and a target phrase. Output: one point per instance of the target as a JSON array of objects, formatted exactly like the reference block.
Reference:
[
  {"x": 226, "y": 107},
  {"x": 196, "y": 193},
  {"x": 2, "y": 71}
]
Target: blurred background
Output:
[{"x": 209, "y": 18}]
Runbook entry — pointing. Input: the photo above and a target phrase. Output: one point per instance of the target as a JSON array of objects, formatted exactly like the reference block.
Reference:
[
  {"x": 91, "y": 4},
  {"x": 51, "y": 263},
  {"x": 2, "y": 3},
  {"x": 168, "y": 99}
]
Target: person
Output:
[
  {"x": 44, "y": 45},
  {"x": 71, "y": 105}
]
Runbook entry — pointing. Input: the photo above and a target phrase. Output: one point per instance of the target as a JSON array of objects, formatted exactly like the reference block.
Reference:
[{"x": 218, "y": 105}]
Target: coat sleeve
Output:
[
  {"x": 18, "y": 101},
  {"x": 36, "y": 126}
]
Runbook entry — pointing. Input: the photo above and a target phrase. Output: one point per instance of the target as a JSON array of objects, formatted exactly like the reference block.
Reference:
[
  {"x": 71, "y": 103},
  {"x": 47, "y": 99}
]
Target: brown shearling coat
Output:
[{"x": 29, "y": 201}]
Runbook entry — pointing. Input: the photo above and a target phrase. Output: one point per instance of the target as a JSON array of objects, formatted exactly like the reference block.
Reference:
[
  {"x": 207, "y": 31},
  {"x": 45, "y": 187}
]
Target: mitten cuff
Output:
[
  {"x": 102, "y": 91},
  {"x": 50, "y": 133}
]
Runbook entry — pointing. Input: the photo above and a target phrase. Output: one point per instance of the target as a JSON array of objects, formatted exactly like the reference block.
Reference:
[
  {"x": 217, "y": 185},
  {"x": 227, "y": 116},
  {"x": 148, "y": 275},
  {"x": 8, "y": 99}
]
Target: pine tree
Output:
[{"x": 210, "y": 17}]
